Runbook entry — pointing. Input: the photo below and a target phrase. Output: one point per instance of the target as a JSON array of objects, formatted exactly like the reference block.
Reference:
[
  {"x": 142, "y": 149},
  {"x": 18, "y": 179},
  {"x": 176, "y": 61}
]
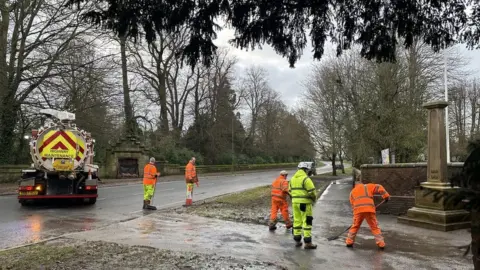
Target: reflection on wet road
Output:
[
  {"x": 407, "y": 247},
  {"x": 20, "y": 225}
]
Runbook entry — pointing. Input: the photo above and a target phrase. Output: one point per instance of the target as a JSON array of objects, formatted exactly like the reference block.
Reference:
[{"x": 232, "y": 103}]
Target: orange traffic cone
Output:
[{"x": 189, "y": 199}]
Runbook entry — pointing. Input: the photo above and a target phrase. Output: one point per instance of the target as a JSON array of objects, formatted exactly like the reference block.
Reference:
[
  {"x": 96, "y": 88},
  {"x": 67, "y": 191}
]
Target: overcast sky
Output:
[{"x": 287, "y": 81}]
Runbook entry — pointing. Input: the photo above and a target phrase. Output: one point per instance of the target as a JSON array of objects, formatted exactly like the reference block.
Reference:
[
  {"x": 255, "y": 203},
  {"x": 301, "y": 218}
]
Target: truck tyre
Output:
[
  {"x": 92, "y": 201},
  {"x": 23, "y": 202}
]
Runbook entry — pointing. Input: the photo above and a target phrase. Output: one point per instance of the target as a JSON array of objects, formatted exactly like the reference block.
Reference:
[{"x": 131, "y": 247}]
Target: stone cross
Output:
[{"x": 437, "y": 150}]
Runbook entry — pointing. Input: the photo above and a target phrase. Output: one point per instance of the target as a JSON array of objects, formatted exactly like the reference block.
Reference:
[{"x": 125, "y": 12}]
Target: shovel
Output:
[{"x": 337, "y": 236}]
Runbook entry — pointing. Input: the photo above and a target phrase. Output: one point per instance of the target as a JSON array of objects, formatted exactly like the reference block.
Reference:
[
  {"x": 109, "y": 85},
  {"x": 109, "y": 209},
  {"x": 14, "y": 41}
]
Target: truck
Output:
[{"x": 62, "y": 162}]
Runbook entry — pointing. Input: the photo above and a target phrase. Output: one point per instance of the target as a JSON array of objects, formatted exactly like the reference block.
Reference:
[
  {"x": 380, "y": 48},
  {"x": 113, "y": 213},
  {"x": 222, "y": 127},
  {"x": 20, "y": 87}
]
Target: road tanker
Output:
[{"x": 62, "y": 162}]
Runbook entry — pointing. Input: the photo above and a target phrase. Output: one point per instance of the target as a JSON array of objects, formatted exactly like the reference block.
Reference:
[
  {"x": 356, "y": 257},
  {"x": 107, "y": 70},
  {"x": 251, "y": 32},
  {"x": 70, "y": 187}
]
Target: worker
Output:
[
  {"x": 361, "y": 199},
  {"x": 191, "y": 178},
  {"x": 150, "y": 175},
  {"x": 303, "y": 194},
  {"x": 279, "y": 201}
]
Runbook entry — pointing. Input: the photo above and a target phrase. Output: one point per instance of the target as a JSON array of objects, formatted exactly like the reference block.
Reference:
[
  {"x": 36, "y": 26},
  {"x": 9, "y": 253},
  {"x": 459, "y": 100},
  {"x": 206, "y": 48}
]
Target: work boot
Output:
[
  {"x": 298, "y": 243},
  {"x": 272, "y": 228},
  {"x": 150, "y": 207},
  {"x": 349, "y": 245},
  {"x": 144, "y": 204},
  {"x": 310, "y": 246},
  {"x": 288, "y": 226}
]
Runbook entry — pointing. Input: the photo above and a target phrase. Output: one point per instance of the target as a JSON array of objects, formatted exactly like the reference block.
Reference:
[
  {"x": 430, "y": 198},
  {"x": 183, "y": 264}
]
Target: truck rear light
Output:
[
  {"x": 90, "y": 187},
  {"x": 26, "y": 188}
]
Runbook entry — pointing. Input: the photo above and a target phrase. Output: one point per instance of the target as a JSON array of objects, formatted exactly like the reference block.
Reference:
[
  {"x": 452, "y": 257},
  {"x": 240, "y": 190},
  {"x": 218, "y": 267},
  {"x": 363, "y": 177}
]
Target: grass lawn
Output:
[{"x": 348, "y": 172}]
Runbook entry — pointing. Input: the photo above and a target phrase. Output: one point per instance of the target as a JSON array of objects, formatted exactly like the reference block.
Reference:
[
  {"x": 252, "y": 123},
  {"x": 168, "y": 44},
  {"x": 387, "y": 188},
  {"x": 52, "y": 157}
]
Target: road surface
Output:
[{"x": 20, "y": 225}]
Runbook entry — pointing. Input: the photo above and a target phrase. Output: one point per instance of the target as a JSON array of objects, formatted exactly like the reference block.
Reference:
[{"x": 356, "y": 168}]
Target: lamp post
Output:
[
  {"x": 237, "y": 115},
  {"x": 446, "y": 109}
]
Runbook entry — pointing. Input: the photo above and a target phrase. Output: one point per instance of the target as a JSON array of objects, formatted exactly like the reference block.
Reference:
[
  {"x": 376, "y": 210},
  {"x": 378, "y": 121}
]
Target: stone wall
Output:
[
  {"x": 11, "y": 173},
  {"x": 400, "y": 180},
  {"x": 126, "y": 147}
]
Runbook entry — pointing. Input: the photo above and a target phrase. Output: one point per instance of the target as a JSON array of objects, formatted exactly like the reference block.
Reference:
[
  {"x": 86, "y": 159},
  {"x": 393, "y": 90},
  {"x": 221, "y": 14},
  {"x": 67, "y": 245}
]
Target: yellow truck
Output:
[{"x": 62, "y": 162}]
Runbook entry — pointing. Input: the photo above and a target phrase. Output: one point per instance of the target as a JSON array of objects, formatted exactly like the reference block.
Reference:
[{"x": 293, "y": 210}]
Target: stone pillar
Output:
[
  {"x": 437, "y": 150},
  {"x": 431, "y": 210}
]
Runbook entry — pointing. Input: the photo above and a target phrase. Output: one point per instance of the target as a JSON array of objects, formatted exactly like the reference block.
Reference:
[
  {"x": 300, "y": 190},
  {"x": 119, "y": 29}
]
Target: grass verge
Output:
[
  {"x": 348, "y": 172},
  {"x": 249, "y": 206},
  {"x": 65, "y": 253}
]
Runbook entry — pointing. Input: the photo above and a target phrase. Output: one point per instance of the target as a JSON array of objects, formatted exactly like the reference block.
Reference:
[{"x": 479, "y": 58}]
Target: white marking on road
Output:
[
  {"x": 101, "y": 199},
  {"x": 208, "y": 184},
  {"x": 326, "y": 191}
]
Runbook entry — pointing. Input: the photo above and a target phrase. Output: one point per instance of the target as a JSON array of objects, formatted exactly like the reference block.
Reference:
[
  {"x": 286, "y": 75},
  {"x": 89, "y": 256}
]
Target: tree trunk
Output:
[
  {"x": 341, "y": 163},
  {"x": 334, "y": 170},
  {"x": 162, "y": 96},
  {"x": 8, "y": 121},
  {"x": 127, "y": 103}
]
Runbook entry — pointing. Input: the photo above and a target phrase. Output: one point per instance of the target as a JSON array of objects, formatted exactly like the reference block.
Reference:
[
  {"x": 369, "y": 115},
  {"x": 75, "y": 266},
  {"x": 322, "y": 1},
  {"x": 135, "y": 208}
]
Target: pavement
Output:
[
  {"x": 115, "y": 204},
  {"x": 407, "y": 247}
]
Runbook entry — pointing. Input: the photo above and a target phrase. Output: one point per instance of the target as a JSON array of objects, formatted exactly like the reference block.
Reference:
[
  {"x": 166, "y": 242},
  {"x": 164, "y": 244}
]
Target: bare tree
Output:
[
  {"x": 324, "y": 100},
  {"x": 158, "y": 65},
  {"x": 256, "y": 91},
  {"x": 33, "y": 35}
]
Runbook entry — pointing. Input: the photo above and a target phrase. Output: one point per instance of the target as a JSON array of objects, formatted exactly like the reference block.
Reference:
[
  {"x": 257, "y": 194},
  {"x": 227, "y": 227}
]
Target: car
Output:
[{"x": 312, "y": 167}]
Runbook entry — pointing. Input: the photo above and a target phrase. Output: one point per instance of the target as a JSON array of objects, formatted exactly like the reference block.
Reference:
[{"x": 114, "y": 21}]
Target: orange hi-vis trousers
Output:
[
  {"x": 281, "y": 205},
  {"x": 372, "y": 222}
]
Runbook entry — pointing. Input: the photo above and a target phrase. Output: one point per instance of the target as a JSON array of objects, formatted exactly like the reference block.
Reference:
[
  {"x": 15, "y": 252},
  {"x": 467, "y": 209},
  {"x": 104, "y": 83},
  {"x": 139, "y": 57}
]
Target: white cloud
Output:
[
  {"x": 282, "y": 78},
  {"x": 287, "y": 81}
]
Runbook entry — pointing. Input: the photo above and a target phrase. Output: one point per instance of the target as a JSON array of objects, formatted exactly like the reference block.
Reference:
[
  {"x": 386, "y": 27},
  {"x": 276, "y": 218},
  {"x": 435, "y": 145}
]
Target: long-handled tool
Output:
[
  {"x": 150, "y": 206},
  {"x": 337, "y": 236},
  {"x": 154, "y": 189}
]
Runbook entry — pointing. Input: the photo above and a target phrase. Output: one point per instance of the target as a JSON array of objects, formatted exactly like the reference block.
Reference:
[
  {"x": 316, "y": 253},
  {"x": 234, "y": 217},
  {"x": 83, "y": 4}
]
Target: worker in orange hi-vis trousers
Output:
[
  {"x": 150, "y": 175},
  {"x": 279, "y": 201},
  {"x": 191, "y": 178},
  {"x": 361, "y": 199}
]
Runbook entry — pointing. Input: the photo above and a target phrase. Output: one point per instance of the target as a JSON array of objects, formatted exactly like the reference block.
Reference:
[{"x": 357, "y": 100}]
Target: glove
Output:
[{"x": 386, "y": 200}]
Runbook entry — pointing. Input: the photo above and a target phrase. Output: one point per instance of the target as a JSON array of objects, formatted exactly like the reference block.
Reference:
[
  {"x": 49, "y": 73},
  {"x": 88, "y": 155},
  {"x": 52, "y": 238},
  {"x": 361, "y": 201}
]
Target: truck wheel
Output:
[
  {"x": 23, "y": 202},
  {"x": 92, "y": 201}
]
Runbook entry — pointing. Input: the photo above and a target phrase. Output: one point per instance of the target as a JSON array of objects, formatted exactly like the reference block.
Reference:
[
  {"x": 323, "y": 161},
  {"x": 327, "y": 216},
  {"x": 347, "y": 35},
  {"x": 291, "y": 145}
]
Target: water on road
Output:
[{"x": 20, "y": 225}]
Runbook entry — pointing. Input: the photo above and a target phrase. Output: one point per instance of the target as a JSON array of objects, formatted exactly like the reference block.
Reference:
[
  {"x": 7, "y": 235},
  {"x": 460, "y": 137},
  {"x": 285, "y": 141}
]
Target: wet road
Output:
[
  {"x": 20, "y": 225},
  {"x": 407, "y": 247}
]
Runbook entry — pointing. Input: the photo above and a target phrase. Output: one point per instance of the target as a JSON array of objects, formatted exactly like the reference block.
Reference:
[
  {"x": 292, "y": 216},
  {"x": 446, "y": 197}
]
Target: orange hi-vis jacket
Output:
[
  {"x": 361, "y": 197},
  {"x": 190, "y": 173},
  {"x": 280, "y": 189},
  {"x": 149, "y": 174}
]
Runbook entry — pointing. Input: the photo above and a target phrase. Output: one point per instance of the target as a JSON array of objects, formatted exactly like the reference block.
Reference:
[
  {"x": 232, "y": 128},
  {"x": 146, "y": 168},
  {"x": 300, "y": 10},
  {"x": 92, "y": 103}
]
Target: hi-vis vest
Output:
[
  {"x": 361, "y": 197},
  {"x": 279, "y": 188},
  {"x": 149, "y": 174},
  {"x": 302, "y": 189},
  {"x": 190, "y": 173}
]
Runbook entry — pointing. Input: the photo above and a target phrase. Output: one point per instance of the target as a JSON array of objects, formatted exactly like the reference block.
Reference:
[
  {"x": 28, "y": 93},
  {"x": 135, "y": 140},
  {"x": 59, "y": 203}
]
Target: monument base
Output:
[
  {"x": 436, "y": 219},
  {"x": 432, "y": 211}
]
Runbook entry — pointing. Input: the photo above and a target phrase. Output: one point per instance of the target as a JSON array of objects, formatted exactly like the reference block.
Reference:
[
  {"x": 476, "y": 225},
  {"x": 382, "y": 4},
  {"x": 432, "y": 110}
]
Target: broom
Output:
[{"x": 337, "y": 236}]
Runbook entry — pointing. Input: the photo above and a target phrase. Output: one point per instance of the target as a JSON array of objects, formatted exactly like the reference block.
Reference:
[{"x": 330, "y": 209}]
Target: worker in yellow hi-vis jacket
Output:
[{"x": 304, "y": 194}]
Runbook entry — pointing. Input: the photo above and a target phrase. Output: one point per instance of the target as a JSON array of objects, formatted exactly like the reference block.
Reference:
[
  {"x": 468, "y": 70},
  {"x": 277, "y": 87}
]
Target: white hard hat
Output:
[
  {"x": 283, "y": 172},
  {"x": 303, "y": 165},
  {"x": 152, "y": 159}
]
